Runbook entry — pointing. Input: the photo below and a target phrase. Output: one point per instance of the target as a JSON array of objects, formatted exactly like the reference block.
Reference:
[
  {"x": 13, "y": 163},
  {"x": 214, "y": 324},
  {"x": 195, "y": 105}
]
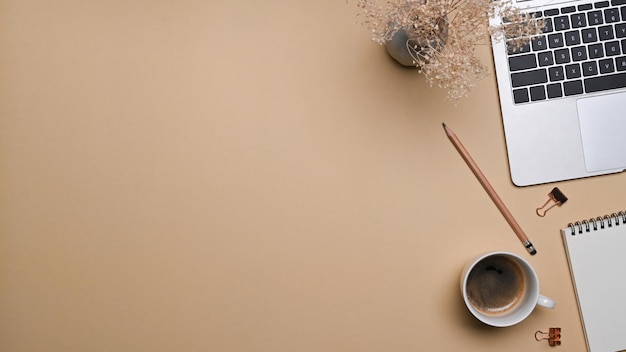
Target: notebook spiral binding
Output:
[{"x": 600, "y": 222}]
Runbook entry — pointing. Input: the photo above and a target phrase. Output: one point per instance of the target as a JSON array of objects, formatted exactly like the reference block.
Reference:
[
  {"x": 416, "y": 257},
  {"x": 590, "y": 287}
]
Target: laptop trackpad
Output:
[{"x": 602, "y": 125}]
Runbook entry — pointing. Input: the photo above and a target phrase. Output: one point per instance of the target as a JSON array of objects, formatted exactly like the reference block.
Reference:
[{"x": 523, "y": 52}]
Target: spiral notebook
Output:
[{"x": 596, "y": 253}]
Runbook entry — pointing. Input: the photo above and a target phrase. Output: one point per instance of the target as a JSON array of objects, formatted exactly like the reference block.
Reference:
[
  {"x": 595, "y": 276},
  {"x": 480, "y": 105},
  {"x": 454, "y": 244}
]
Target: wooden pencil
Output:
[{"x": 489, "y": 189}]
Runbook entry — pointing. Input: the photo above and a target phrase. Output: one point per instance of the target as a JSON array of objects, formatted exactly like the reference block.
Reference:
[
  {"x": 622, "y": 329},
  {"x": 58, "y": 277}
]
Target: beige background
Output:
[{"x": 250, "y": 176}]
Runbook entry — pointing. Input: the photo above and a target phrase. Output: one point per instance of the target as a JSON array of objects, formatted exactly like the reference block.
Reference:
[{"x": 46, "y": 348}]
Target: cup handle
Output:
[{"x": 546, "y": 302}]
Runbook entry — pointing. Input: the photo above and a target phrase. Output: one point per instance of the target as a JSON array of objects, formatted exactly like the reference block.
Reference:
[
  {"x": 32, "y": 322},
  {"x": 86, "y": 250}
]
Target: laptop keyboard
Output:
[{"x": 582, "y": 50}]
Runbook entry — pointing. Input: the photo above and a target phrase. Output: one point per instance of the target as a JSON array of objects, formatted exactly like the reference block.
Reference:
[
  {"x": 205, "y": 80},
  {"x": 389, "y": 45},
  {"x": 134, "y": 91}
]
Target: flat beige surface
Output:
[{"x": 250, "y": 176}]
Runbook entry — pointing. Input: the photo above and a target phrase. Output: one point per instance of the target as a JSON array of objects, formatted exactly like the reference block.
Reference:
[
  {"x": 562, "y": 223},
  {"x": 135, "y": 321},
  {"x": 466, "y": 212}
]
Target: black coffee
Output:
[{"x": 496, "y": 285}]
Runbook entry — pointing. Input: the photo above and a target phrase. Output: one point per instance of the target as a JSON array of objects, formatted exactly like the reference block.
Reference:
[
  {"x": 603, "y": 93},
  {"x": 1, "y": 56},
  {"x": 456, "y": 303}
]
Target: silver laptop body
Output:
[{"x": 581, "y": 131}]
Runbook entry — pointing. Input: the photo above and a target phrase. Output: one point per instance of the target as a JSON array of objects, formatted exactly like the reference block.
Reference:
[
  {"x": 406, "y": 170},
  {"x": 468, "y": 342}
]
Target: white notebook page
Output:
[{"x": 597, "y": 260}]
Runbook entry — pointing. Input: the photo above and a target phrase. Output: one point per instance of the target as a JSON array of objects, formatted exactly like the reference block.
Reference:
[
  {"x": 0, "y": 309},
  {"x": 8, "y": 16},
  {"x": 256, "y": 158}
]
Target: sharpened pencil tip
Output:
[{"x": 447, "y": 130}]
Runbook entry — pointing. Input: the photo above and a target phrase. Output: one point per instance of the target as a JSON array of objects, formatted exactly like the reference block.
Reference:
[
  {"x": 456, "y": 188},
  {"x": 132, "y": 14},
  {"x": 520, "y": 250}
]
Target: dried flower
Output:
[{"x": 442, "y": 34}]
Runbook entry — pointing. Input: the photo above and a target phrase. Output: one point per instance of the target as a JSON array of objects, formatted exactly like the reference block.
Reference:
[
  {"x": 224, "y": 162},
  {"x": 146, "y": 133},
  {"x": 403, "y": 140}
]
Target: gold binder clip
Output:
[
  {"x": 556, "y": 197},
  {"x": 553, "y": 336}
]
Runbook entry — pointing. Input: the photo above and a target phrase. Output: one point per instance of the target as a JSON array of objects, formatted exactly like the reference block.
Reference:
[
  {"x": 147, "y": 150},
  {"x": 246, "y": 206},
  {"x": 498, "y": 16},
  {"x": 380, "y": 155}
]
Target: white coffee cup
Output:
[{"x": 501, "y": 289}]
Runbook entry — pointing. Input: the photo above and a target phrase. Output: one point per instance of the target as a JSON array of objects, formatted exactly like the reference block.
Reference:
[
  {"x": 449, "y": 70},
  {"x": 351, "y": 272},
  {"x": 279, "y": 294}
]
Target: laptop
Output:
[{"x": 563, "y": 96}]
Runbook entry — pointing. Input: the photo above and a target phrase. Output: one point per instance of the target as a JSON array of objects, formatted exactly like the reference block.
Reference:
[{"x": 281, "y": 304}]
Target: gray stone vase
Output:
[{"x": 398, "y": 48}]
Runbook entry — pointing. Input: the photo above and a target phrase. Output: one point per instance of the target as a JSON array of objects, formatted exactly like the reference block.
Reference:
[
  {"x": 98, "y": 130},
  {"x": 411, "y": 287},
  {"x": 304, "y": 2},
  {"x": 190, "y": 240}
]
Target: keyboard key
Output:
[
  {"x": 606, "y": 66},
  {"x": 545, "y": 58},
  {"x": 590, "y": 68},
  {"x": 554, "y": 90},
  {"x": 572, "y": 38},
  {"x": 561, "y": 23},
  {"x": 521, "y": 96},
  {"x": 612, "y": 48},
  {"x": 589, "y": 35},
  {"x": 578, "y": 20},
  {"x": 548, "y": 26},
  {"x": 551, "y": 12},
  {"x": 611, "y": 15},
  {"x": 596, "y": 51},
  {"x": 601, "y": 4},
  {"x": 512, "y": 49},
  {"x": 568, "y": 9},
  {"x": 573, "y": 88},
  {"x": 555, "y": 40},
  {"x": 539, "y": 43},
  {"x": 529, "y": 78},
  {"x": 572, "y": 71},
  {"x": 522, "y": 62},
  {"x": 618, "y": 2},
  {"x": 579, "y": 53},
  {"x": 620, "y": 30},
  {"x": 620, "y": 63},
  {"x": 600, "y": 83},
  {"x": 562, "y": 56},
  {"x": 537, "y": 93},
  {"x": 585, "y": 7},
  {"x": 595, "y": 18},
  {"x": 605, "y": 32},
  {"x": 556, "y": 73}
]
